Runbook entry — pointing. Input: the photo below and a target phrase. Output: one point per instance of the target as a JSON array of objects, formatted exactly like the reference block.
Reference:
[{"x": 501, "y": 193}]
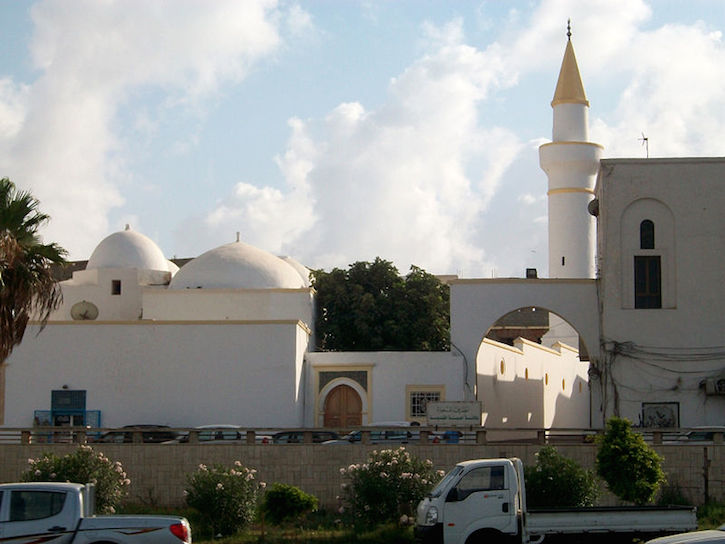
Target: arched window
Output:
[{"x": 646, "y": 234}]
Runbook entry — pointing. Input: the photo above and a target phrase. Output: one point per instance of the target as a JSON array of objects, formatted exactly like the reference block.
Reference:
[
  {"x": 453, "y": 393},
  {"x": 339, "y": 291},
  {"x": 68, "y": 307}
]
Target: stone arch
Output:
[
  {"x": 333, "y": 386},
  {"x": 529, "y": 376},
  {"x": 477, "y": 304}
]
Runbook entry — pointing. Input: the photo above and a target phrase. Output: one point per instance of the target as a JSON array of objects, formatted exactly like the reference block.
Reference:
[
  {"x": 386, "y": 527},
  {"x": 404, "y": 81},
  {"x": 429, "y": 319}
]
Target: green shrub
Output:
[
  {"x": 672, "y": 494},
  {"x": 387, "y": 488},
  {"x": 283, "y": 503},
  {"x": 226, "y": 498},
  {"x": 631, "y": 468},
  {"x": 83, "y": 466},
  {"x": 559, "y": 482},
  {"x": 710, "y": 515}
]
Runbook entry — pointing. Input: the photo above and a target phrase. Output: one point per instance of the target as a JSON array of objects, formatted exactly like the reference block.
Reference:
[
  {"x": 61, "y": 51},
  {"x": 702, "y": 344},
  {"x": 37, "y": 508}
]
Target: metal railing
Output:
[{"x": 358, "y": 435}]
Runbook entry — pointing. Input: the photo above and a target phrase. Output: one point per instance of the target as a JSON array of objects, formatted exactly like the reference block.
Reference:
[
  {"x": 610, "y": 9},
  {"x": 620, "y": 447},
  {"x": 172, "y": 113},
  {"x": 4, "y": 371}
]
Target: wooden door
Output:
[{"x": 343, "y": 408}]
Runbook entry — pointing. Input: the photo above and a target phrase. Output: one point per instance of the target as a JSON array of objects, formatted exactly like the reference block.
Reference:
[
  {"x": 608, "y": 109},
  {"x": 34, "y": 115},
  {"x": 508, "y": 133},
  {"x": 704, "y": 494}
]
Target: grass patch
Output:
[
  {"x": 710, "y": 515},
  {"x": 386, "y": 534}
]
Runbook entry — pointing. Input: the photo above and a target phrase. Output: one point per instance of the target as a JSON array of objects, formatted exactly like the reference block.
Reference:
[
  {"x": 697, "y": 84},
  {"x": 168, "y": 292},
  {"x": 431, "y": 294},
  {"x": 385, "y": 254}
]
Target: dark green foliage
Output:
[
  {"x": 27, "y": 287},
  {"x": 370, "y": 307},
  {"x": 710, "y": 515},
  {"x": 286, "y": 503},
  {"x": 672, "y": 494},
  {"x": 631, "y": 468},
  {"x": 556, "y": 481}
]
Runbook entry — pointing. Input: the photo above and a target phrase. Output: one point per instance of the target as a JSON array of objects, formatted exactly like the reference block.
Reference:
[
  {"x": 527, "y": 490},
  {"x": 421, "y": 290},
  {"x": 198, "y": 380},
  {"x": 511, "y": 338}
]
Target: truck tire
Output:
[{"x": 487, "y": 536}]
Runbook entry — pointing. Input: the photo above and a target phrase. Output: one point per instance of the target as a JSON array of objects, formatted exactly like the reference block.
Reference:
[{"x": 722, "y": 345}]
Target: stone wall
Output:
[{"x": 158, "y": 471}]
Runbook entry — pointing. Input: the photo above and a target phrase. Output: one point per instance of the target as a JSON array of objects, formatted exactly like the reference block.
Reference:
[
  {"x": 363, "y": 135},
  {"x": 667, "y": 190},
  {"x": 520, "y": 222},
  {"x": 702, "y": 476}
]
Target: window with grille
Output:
[{"x": 419, "y": 402}]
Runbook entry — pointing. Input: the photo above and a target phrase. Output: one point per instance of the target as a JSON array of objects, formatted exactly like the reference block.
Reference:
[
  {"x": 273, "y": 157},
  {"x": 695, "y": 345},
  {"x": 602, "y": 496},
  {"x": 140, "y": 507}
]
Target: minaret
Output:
[{"x": 571, "y": 163}]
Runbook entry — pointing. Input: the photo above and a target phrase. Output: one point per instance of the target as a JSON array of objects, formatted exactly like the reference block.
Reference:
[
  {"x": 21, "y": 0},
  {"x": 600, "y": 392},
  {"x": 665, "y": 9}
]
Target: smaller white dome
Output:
[
  {"x": 301, "y": 269},
  {"x": 128, "y": 249},
  {"x": 237, "y": 266}
]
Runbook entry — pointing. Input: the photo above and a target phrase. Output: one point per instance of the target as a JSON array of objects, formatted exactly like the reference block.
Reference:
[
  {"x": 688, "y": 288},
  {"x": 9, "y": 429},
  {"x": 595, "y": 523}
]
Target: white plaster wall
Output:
[
  {"x": 239, "y": 304},
  {"x": 391, "y": 372},
  {"x": 174, "y": 374},
  {"x": 531, "y": 386},
  {"x": 689, "y": 195},
  {"x": 95, "y": 286}
]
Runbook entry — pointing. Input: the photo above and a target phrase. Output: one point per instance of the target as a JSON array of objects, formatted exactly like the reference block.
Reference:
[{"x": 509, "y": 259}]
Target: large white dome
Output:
[
  {"x": 128, "y": 249},
  {"x": 237, "y": 266}
]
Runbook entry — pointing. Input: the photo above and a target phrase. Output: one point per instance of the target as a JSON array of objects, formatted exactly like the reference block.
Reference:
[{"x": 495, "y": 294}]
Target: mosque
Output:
[{"x": 632, "y": 306}]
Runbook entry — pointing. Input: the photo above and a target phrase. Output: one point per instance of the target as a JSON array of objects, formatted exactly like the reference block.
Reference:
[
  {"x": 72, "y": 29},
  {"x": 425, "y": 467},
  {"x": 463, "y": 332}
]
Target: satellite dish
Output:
[{"x": 84, "y": 311}]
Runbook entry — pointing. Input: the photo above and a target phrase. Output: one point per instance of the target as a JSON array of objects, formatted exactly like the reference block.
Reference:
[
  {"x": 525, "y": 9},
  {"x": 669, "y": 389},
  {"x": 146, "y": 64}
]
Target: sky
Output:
[{"x": 337, "y": 131}]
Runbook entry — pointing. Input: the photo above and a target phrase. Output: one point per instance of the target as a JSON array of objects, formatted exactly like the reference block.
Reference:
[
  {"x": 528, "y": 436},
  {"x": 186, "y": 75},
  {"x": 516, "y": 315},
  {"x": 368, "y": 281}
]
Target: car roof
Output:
[{"x": 49, "y": 486}]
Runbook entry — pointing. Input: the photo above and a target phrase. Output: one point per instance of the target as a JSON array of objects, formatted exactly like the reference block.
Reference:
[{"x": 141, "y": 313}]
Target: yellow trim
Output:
[
  {"x": 441, "y": 388},
  {"x": 573, "y": 142},
  {"x": 570, "y": 190}
]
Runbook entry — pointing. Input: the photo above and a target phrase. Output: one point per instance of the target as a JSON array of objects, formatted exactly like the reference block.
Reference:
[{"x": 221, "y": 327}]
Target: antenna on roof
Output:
[
  {"x": 568, "y": 29},
  {"x": 645, "y": 143}
]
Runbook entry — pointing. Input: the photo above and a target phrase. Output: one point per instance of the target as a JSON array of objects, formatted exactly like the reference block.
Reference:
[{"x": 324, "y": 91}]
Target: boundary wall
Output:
[{"x": 158, "y": 471}]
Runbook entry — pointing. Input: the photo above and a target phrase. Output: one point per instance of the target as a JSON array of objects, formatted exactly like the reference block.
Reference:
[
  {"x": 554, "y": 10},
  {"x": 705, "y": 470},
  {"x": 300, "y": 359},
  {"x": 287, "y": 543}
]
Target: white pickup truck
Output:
[
  {"x": 63, "y": 513},
  {"x": 484, "y": 501}
]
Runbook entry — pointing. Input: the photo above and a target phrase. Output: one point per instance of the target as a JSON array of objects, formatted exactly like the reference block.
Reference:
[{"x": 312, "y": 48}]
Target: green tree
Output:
[
  {"x": 632, "y": 469},
  {"x": 27, "y": 287},
  {"x": 370, "y": 307},
  {"x": 556, "y": 481}
]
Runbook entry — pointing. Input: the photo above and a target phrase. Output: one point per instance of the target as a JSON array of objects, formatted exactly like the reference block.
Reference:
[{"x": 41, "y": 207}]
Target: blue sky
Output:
[{"x": 337, "y": 131}]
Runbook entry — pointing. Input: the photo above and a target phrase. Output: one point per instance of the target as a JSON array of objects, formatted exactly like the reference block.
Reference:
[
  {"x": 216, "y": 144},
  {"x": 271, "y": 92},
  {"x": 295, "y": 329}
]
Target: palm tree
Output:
[{"x": 27, "y": 287}]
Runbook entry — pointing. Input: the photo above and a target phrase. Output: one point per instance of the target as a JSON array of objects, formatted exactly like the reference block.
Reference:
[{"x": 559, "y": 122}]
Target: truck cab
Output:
[
  {"x": 28, "y": 513},
  {"x": 475, "y": 501}
]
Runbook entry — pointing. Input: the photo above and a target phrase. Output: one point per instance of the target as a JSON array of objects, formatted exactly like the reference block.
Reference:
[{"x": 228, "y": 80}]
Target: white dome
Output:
[
  {"x": 237, "y": 266},
  {"x": 302, "y": 270},
  {"x": 128, "y": 249}
]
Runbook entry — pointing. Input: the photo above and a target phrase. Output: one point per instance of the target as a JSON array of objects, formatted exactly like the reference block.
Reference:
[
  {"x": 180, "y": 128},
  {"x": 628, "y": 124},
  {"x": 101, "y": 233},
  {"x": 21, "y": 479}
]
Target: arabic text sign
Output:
[{"x": 454, "y": 413}]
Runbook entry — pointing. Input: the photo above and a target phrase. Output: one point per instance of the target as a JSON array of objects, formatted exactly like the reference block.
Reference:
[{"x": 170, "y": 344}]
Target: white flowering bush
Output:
[
  {"x": 387, "y": 488},
  {"x": 83, "y": 466},
  {"x": 226, "y": 498}
]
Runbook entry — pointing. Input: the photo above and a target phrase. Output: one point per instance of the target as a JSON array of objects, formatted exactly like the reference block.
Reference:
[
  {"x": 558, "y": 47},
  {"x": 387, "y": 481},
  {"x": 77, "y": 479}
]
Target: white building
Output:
[{"x": 229, "y": 337}]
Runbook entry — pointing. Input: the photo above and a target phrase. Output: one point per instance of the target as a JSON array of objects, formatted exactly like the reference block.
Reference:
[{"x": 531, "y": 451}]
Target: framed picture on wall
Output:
[{"x": 661, "y": 414}]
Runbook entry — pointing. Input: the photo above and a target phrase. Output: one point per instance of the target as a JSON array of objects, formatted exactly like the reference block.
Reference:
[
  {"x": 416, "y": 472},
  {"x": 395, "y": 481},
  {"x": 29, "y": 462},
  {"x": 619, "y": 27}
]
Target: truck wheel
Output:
[{"x": 487, "y": 537}]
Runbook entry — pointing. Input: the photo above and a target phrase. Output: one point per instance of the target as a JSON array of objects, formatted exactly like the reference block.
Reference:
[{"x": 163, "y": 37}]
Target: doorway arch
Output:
[{"x": 342, "y": 407}]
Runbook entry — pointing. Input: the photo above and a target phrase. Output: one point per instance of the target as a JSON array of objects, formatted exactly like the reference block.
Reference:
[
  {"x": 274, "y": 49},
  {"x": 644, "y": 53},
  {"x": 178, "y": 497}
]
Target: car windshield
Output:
[{"x": 437, "y": 490}]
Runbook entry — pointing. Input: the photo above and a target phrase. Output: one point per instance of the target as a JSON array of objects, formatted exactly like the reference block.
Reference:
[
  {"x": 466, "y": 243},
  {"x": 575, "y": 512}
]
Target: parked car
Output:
[
  {"x": 297, "y": 437},
  {"x": 704, "y": 434},
  {"x": 711, "y": 536},
  {"x": 210, "y": 434},
  {"x": 151, "y": 434}
]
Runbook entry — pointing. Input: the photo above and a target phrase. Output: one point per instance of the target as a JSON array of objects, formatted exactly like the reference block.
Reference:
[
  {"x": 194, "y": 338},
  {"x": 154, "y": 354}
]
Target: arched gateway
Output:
[{"x": 476, "y": 304}]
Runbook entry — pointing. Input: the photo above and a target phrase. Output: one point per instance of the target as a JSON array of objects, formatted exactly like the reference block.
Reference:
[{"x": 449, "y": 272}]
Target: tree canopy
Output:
[
  {"x": 27, "y": 287},
  {"x": 371, "y": 307},
  {"x": 631, "y": 468}
]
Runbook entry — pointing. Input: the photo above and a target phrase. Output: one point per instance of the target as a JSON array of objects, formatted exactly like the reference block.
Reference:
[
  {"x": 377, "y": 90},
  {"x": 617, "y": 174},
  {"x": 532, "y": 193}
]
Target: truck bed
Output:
[{"x": 632, "y": 519}]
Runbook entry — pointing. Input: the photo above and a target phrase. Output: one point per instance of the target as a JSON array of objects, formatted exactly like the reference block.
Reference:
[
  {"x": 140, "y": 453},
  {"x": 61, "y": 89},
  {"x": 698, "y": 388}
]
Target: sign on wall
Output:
[{"x": 450, "y": 413}]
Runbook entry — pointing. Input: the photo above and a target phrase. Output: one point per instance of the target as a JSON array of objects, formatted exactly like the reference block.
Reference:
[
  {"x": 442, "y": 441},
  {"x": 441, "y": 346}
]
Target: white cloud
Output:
[
  {"x": 91, "y": 57},
  {"x": 394, "y": 182}
]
